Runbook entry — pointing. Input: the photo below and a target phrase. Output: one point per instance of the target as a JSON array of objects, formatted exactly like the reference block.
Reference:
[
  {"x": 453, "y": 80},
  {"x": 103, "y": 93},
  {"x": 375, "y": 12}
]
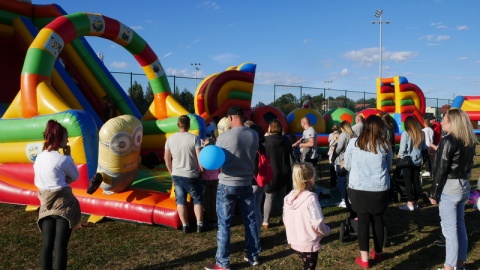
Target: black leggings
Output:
[
  {"x": 364, "y": 221},
  {"x": 309, "y": 259},
  {"x": 411, "y": 176},
  {"x": 56, "y": 233}
]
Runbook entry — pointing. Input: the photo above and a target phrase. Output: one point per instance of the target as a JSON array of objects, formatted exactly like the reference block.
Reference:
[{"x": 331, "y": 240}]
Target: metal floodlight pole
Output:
[
  {"x": 197, "y": 67},
  {"x": 378, "y": 14}
]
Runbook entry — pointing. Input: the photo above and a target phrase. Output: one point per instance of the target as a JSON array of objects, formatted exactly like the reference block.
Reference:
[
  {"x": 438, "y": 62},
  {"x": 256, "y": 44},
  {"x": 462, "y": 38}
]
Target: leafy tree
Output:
[
  {"x": 149, "y": 95},
  {"x": 286, "y": 103},
  {"x": 260, "y": 104},
  {"x": 186, "y": 99},
  {"x": 138, "y": 97}
]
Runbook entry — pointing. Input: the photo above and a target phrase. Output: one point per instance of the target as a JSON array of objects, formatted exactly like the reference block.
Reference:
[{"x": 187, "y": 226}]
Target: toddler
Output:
[
  {"x": 210, "y": 183},
  {"x": 303, "y": 217}
]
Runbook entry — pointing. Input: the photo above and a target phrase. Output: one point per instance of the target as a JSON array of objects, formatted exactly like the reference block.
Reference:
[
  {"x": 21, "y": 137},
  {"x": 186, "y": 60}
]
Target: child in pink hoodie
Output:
[{"x": 303, "y": 217}]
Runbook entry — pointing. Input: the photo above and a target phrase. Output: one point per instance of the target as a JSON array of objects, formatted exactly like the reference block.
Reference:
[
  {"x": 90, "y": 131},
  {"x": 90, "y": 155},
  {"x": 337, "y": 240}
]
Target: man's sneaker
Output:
[
  {"x": 342, "y": 204},
  {"x": 215, "y": 266},
  {"x": 252, "y": 263},
  {"x": 94, "y": 183},
  {"x": 426, "y": 174}
]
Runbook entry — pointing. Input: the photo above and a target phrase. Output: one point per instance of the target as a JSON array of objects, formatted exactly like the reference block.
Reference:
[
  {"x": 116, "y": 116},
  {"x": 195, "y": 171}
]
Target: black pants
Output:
[
  {"x": 56, "y": 233},
  {"x": 364, "y": 221},
  {"x": 309, "y": 260},
  {"x": 411, "y": 176}
]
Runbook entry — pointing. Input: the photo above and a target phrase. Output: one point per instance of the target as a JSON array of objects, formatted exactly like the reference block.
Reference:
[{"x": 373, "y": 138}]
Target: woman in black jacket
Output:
[
  {"x": 278, "y": 149},
  {"x": 451, "y": 186}
]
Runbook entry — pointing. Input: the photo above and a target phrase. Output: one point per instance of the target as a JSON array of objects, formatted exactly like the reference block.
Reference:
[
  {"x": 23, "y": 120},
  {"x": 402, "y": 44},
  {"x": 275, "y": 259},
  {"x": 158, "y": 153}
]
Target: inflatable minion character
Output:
[{"x": 120, "y": 140}]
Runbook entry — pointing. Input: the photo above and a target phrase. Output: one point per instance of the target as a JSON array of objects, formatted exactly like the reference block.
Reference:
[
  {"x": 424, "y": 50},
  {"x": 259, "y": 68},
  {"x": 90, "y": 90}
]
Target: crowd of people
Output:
[{"x": 361, "y": 158}]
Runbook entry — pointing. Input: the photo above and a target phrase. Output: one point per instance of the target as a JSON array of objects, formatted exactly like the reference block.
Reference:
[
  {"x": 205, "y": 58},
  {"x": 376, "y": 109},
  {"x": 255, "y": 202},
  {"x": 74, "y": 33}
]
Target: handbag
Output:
[{"x": 405, "y": 162}]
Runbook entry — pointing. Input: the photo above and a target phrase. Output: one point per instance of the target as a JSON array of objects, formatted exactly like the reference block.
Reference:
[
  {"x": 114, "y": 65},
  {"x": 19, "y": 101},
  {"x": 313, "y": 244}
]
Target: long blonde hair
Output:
[
  {"x": 345, "y": 125},
  {"x": 414, "y": 130},
  {"x": 303, "y": 177},
  {"x": 461, "y": 127}
]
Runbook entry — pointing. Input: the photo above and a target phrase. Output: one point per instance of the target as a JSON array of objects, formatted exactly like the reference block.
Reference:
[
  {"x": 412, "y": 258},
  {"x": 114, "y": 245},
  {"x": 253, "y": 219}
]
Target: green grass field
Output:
[{"x": 122, "y": 245}]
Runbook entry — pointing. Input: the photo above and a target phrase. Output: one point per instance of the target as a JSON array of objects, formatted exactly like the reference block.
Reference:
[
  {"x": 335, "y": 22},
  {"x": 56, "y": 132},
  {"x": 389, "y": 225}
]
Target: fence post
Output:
[
  {"x": 274, "y": 87},
  {"x": 345, "y": 100},
  {"x": 131, "y": 83},
  {"x": 301, "y": 96},
  {"x": 174, "y": 87}
]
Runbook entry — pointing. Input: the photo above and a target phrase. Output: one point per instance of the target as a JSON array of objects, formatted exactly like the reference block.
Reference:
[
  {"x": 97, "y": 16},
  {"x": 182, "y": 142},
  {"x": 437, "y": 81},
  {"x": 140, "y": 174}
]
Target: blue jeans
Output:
[
  {"x": 452, "y": 208},
  {"x": 184, "y": 185},
  {"x": 258, "y": 197},
  {"x": 227, "y": 196}
]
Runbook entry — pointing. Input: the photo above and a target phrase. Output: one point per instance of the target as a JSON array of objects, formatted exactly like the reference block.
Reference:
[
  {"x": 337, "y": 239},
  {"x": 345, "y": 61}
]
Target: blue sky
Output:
[{"x": 313, "y": 43}]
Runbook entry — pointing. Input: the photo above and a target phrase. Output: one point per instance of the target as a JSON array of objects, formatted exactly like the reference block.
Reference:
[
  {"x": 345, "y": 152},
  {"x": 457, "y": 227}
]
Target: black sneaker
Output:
[
  {"x": 201, "y": 228},
  {"x": 185, "y": 229},
  {"x": 94, "y": 183}
]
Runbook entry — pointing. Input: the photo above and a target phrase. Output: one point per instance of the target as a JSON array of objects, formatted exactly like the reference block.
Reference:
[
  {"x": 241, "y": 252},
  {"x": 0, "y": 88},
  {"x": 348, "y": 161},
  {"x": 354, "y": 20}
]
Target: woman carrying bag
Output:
[{"x": 412, "y": 143}]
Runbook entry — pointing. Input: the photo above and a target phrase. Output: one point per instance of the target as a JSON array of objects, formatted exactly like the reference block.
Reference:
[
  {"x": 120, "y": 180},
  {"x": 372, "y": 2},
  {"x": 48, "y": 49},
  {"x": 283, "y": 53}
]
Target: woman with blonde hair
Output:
[
  {"x": 368, "y": 159},
  {"x": 412, "y": 143},
  {"x": 451, "y": 187},
  {"x": 303, "y": 217}
]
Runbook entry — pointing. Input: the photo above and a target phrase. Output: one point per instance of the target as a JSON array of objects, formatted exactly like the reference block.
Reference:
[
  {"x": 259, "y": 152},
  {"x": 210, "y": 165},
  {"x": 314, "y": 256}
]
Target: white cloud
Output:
[
  {"x": 278, "y": 78},
  {"x": 337, "y": 75},
  {"x": 116, "y": 64},
  {"x": 435, "y": 38},
  {"x": 438, "y": 25},
  {"x": 461, "y": 27},
  {"x": 209, "y": 5},
  {"x": 225, "y": 58},
  {"x": 441, "y": 38},
  {"x": 462, "y": 58},
  {"x": 137, "y": 27},
  {"x": 369, "y": 56},
  {"x": 167, "y": 54},
  {"x": 185, "y": 72},
  {"x": 307, "y": 40}
]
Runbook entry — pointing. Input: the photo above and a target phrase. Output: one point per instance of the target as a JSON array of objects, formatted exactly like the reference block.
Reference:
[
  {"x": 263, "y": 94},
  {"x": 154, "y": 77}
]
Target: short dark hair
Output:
[
  {"x": 235, "y": 110},
  {"x": 183, "y": 121}
]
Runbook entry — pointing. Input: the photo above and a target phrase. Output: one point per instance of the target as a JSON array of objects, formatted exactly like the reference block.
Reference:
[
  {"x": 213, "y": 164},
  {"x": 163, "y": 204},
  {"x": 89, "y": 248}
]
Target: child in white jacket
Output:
[{"x": 303, "y": 217}]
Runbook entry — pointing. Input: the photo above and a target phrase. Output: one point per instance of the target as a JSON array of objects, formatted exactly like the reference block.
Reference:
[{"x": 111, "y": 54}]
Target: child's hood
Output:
[{"x": 294, "y": 201}]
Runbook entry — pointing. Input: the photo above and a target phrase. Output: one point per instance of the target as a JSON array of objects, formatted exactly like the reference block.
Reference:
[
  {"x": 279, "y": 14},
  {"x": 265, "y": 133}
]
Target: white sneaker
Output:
[
  {"x": 426, "y": 174},
  {"x": 342, "y": 204}
]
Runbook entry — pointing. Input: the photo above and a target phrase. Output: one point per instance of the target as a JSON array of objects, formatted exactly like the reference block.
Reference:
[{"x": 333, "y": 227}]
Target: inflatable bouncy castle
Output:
[{"x": 48, "y": 71}]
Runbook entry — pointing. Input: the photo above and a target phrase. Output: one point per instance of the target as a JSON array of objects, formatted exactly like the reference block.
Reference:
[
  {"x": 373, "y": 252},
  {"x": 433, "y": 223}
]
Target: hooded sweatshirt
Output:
[{"x": 303, "y": 219}]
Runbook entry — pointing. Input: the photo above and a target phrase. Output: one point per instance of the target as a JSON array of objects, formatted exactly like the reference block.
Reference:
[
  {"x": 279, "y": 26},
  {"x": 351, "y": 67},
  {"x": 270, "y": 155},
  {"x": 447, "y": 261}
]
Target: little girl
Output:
[
  {"x": 210, "y": 183},
  {"x": 303, "y": 217}
]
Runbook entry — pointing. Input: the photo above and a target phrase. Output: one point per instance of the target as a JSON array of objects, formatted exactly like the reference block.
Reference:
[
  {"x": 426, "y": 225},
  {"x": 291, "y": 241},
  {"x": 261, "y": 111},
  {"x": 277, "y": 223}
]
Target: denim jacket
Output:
[
  {"x": 407, "y": 149},
  {"x": 368, "y": 171}
]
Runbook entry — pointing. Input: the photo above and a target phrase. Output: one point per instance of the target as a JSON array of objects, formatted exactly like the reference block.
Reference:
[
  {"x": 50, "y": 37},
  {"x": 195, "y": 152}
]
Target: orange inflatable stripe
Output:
[
  {"x": 28, "y": 85},
  {"x": 160, "y": 105}
]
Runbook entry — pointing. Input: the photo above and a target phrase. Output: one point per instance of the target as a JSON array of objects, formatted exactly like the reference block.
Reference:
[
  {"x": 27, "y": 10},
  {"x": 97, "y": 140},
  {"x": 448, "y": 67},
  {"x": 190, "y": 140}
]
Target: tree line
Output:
[{"x": 286, "y": 103}]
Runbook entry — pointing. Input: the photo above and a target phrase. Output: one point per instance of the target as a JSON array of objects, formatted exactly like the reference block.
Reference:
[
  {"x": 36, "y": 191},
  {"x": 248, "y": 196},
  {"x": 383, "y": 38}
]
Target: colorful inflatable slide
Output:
[
  {"x": 471, "y": 105},
  {"x": 48, "y": 71},
  {"x": 400, "y": 99}
]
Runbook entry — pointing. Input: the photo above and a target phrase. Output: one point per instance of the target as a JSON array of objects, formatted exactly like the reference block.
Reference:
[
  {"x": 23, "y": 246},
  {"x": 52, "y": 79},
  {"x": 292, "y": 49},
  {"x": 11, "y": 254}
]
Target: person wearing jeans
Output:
[
  {"x": 451, "y": 186},
  {"x": 240, "y": 144}
]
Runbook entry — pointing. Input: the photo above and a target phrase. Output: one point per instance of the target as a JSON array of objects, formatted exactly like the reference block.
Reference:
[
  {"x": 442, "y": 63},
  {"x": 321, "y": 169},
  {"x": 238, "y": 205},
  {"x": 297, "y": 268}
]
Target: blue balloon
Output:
[{"x": 212, "y": 157}]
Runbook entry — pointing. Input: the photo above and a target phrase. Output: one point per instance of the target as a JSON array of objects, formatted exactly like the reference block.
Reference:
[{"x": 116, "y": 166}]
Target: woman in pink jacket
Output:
[{"x": 303, "y": 217}]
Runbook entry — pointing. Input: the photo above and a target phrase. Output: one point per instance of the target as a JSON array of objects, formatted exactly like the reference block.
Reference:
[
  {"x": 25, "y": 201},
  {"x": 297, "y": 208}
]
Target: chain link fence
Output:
[{"x": 326, "y": 98}]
